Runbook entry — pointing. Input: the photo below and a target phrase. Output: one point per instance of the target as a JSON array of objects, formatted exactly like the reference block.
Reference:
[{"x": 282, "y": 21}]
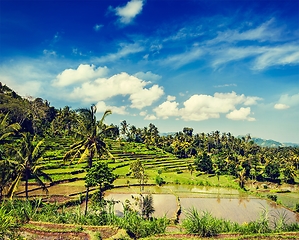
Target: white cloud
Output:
[
  {"x": 186, "y": 33},
  {"x": 182, "y": 59},
  {"x": 125, "y": 49},
  {"x": 150, "y": 117},
  {"x": 203, "y": 107},
  {"x": 27, "y": 88},
  {"x": 143, "y": 113},
  {"x": 83, "y": 73},
  {"x": 228, "y": 46},
  {"x": 263, "y": 57},
  {"x": 49, "y": 52},
  {"x": 26, "y": 76},
  {"x": 145, "y": 97},
  {"x": 228, "y": 54},
  {"x": 226, "y": 85},
  {"x": 171, "y": 98},
  {"x": 93, "y": 89},
  {"x": 287, "y": 54},
  {"x": 102, "y": 107},
  {"x": 129, "y": 11},
  {"x": 241, "y": 114},
  {"x": 251, "y": 100},
  {"x": 98, "y": 27},
  {"x": 262, "y": 33},
  {"x": 148, "y": 76},
  {"x": 281, "y": 106},
  {"x": 167, "y": 109},
  {"x": 289, "y": 100}
]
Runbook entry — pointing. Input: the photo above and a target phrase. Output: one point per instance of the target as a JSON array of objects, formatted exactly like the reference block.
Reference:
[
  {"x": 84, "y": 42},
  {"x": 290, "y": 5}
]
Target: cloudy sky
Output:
[{"x": 231, "y": 66}]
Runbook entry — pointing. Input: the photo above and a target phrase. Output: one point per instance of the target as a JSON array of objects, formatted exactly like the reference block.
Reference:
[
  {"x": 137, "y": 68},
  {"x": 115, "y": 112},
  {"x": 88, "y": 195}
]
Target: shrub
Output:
[
  {"x": 203, "y": 224},
  {"x": 137, "y": 227},
  {"x": 159, "y": 180},
  {"x": 261, "y": 225},
  {"x": 272, "y": 197}
]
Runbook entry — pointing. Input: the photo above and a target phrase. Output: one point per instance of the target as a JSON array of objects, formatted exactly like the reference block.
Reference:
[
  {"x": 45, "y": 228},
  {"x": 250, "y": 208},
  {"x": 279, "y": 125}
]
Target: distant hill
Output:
[
  {"x": 259, "y": 141},
  {"x": 271, "y": 143}
]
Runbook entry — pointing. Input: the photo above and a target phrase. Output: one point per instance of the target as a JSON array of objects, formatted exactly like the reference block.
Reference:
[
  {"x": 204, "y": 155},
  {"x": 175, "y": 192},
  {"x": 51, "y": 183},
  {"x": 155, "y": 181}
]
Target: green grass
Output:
[{"x": 62, "y": 170}]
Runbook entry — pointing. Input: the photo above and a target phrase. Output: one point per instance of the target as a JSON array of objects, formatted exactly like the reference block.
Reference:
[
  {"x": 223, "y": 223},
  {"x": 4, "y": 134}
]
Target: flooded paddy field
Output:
[{"x": 223, "y": 203}]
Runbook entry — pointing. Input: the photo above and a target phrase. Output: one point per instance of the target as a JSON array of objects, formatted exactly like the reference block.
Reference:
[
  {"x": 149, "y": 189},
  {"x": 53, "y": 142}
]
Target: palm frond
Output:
[
  {"x": 106, "y": 113},
  {"x": 40, "y": 183},
  {"x": 14, "y": 185},
  {"x": 84, "y": 155},
  {"x": 38, "y": 151}
]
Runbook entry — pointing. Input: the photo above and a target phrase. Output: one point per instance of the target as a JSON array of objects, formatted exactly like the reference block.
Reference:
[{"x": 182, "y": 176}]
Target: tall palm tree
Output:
[
  {"x": 6, "y": 167},
  {"x": 28, "y": 165},
  {"x": 7, "y": 174},
  {"x": 7, "y": 129},
  {"x": 91, "y": 142}
]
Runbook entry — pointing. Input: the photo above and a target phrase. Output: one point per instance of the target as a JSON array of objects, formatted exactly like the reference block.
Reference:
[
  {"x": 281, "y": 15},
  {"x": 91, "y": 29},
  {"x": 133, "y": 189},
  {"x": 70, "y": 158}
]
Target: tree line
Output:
[{"x": 24, "y": 122}]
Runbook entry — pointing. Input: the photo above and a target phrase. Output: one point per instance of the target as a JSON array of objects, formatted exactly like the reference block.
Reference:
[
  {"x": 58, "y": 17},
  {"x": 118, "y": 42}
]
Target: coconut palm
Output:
[
  {"x": 28, "y": 165},
  {"x": 242, "y": 178},
  {"x": 146, "y": 205},
  {"x": 7, "y": 129},
  {"x": 7, "y": 174},
  {"x": 91, "y": 143}
]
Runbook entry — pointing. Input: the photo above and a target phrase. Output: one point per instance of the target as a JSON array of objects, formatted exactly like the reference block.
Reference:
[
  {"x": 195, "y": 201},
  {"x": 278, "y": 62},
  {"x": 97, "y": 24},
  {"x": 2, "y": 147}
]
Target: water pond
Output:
[{"x": 221, "y": 202}]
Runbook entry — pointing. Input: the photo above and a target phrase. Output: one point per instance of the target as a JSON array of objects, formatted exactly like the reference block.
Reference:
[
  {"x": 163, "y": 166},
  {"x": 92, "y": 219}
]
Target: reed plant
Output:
[
  {"x": 138, "y": 227},
  {"x": 204, "y": 224},
  {"x": 8, "y": 224}
]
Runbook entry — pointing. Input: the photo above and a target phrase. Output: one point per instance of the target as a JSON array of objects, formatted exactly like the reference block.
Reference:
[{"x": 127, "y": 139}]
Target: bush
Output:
[
  {"x": 272, "y": 197},
  {"x": 8, "y": 224},
  {"x": 159, "y": 180},
  {"x": 137, "y": 227},
  {"x": 259, "y": 226},
  {"x": 297, "y": 207},
  {"x": 203, "y": 224}
]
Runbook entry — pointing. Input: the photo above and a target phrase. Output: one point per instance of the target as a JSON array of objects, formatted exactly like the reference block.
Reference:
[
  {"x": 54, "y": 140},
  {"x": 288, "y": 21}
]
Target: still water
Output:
[{"x": 222, "y": 203}]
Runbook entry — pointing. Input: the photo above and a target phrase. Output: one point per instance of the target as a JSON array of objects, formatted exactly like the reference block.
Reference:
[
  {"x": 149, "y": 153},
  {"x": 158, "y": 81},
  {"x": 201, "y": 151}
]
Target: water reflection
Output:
[{"x": 222, "y": 203}]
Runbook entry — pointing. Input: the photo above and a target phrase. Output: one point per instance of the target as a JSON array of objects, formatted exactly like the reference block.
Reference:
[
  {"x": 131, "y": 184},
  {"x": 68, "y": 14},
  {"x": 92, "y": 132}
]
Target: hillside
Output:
[{"x": 272, "y": 143}]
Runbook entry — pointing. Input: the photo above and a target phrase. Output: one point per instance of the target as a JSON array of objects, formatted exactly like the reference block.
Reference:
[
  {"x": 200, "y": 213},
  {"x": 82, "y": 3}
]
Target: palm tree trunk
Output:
[
  {"x": 86, "y": 200},
  {"x": 26, "y": 185}
]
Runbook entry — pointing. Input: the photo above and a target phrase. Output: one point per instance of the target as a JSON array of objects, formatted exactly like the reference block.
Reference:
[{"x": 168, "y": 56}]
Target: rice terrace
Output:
[{"x": 67, "y": 175}]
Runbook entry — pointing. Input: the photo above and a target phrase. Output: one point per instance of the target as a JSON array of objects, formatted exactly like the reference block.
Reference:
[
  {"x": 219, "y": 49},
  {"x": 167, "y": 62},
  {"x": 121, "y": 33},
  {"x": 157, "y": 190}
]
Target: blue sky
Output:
[{"x": 231, "y": 66}]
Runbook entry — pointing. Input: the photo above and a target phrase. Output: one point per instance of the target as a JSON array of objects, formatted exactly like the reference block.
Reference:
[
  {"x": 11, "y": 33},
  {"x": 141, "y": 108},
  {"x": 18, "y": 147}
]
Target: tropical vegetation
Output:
[{"x": 42, "y": 147}]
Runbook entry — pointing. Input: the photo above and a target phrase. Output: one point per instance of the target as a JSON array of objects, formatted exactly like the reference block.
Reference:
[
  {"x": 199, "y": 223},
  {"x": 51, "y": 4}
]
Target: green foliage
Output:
[
  {"x": 28, "y": 164},
  {"x": 203, "y": 224},
  {"x": 159, "y": 180},
  {"x": 8, "y": 224},
  {"x": 146, "y": 205},
  {"x": 261, "y": 225},
  {"x": 272, "y": 170},
  {"x": 137, "y": 227},
  {"x": 272, "y": 197},
  {"x": 203, "y": 163},
  {"x": 138, "y": 171},
  {"x": 99, "y": 174}
]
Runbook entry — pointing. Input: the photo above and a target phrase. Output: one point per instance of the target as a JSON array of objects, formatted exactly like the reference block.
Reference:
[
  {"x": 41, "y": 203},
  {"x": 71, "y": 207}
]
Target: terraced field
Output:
[{"x": 68, "y": 177}]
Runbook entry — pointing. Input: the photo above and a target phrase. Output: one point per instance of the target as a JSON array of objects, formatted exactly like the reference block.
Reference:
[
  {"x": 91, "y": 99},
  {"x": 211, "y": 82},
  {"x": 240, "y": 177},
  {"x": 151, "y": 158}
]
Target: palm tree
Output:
[
  {"x": 91, "y": 143},
  {"x": 6, "y": 168},
  {"x": 7, "y": 174},
  {"x": 28, "y": 165},
  {"x": 242, "y": 178},
  {"x": 146, "y": 205},
  {"x": 7, "y": 129}
]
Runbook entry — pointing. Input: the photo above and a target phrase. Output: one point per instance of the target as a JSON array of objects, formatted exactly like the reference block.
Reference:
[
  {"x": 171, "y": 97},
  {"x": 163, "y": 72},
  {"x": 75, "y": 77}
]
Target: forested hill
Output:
[
  {"x": 36, "y": 116},
  {"x": 33, "y": 114},
  {"x": 271, "y": 143}
]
